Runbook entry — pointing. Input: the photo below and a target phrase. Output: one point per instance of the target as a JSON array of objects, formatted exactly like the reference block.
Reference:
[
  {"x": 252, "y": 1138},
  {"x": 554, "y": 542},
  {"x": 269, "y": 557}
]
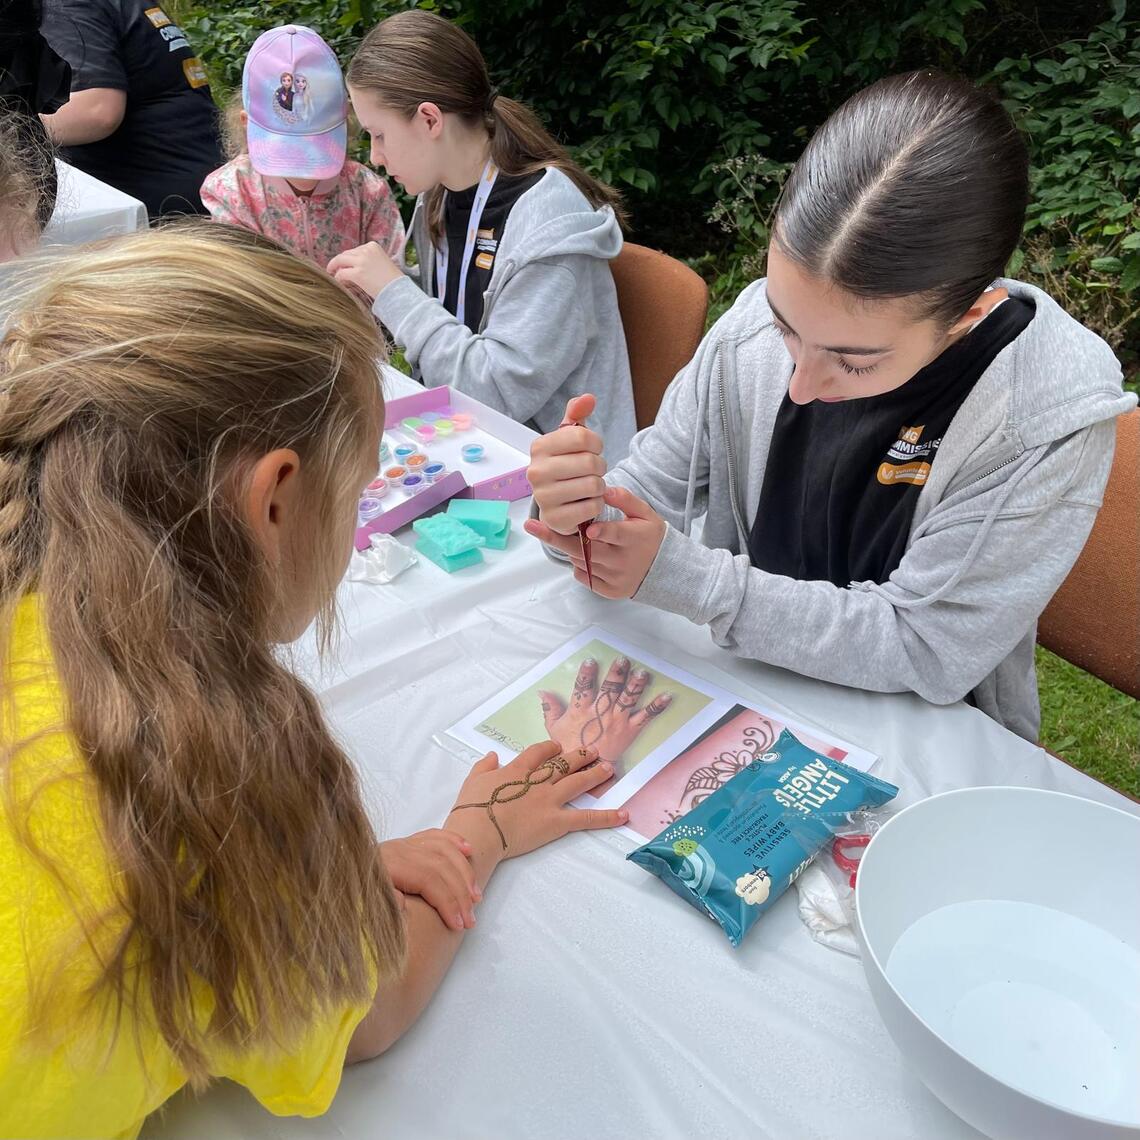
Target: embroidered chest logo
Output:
[
  {"x": 909, "y": 458},
  {"x": 171, "y": 32},
  {"x": 485, "y": 245}
]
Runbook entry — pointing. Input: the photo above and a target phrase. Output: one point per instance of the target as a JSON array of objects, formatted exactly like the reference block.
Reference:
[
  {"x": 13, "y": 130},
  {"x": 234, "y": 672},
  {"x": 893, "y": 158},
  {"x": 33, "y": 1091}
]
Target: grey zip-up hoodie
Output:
[
  {"x": 550, "y": 328},
  {"x": 1005, "y": 512}
]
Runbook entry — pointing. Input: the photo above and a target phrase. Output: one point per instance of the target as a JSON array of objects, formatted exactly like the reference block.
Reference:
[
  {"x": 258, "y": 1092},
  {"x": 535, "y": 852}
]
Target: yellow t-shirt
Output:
[{"x": 74, "y": 1076}]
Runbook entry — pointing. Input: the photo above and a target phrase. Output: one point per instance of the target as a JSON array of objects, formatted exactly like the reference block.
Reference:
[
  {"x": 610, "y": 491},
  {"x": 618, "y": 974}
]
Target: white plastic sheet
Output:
[
  {"x": 589, "y": 1001},
  {"x": 385, "y": 559},
  {"x": 87, "y": 209}
]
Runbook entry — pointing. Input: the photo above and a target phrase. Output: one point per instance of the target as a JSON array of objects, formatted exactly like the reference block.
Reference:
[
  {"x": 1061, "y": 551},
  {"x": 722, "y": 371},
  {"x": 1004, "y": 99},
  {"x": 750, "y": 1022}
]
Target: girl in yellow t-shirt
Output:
[{"x": 189, "y": 883}]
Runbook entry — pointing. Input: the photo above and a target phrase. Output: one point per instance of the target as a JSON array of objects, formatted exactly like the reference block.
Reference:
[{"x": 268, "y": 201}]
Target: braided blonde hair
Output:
[{"x": 139, "y": 382}]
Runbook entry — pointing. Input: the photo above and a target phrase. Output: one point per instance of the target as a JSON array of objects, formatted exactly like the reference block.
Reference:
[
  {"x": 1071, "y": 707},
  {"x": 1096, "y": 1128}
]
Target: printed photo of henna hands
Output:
[{"x": 606, "y": 716}]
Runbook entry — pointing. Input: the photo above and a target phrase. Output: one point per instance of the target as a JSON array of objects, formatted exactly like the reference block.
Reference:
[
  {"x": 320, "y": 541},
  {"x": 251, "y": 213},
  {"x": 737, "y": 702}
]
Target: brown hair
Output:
[
  {"x": 128, "y": 429},
  {"x": 418, "y": 57},
  {"x": 915, "y": 187},
  {"x": 27, "y": 178}
]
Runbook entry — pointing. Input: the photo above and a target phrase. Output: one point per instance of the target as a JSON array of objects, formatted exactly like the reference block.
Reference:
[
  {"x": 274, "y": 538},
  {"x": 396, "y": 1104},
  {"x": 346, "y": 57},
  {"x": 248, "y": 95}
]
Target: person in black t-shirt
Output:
[
  {"x": 33, "y": 77},
  {"x": 140, "y": 116}
]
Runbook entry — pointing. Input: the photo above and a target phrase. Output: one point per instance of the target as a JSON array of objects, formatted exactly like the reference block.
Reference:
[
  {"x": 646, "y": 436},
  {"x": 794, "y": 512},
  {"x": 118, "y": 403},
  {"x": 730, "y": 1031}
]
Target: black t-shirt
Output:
[
  {"x": 456, "y": 214},
  {"x": 32, "y": 75},
  {"x": 842, "y": 480},
  {"x": 168, "y": 140}
]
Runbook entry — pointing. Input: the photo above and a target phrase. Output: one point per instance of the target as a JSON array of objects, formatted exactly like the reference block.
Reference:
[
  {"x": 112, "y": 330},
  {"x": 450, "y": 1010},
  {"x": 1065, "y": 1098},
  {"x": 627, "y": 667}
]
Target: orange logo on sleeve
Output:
[
  {"x": 195, "y": 72},
  {"x": 157, "y": 17}
]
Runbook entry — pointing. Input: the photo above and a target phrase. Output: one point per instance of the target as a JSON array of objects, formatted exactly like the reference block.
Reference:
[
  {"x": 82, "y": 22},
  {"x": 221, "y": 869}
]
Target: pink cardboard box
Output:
[{"x": 500, "y": 475}]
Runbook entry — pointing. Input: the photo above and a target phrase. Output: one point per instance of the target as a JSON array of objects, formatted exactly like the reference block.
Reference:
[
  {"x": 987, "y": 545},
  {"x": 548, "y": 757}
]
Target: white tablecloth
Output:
[
  {"x": 590, "y": 1001},
  {"x": 87, "y": 209}
]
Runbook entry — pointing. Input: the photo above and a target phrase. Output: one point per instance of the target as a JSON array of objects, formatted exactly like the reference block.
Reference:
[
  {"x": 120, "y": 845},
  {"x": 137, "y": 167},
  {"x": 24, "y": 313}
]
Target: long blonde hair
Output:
[
  {"x": 418, "y": 57},
  {"x": 139, "y": 381}
]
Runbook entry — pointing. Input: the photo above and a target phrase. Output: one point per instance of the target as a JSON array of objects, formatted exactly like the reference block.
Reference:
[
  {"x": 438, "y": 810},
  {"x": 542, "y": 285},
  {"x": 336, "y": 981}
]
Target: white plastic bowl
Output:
[{"x": 1001, "y": 941}]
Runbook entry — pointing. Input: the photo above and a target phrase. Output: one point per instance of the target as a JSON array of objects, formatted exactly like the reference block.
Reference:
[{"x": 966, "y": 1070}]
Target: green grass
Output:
[{"x": 1092, "y": 725}]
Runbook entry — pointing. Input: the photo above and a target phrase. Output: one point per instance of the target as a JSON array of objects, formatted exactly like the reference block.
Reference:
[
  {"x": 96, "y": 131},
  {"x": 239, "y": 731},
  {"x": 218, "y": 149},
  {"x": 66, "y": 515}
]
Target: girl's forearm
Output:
[
  {"x": 397, "y": 1005},
  {"x": 431, "y": 948}
]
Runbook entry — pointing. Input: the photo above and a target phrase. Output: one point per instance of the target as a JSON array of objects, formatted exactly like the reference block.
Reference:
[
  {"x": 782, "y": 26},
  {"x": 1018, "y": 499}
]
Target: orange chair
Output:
[
  {"x": 663, "y": 305},
  {"x": 1093, "y": 620}
]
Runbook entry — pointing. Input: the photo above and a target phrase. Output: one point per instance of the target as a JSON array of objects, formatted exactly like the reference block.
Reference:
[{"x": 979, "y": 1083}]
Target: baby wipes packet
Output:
[{"x": 740, "y": 849}]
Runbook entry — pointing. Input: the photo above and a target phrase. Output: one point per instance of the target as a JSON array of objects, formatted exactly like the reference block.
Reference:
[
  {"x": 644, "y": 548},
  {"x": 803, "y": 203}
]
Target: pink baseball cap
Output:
[{"x": 293, "y": 91}]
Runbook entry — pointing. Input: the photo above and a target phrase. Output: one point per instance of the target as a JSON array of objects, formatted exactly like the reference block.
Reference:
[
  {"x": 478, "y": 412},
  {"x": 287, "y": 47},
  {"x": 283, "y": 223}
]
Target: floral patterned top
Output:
[{"x": 343, "y": 212}]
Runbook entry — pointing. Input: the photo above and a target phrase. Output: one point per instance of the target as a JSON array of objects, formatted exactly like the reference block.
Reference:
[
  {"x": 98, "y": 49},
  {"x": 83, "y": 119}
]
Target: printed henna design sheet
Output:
[{"x": 671, "y": 736}]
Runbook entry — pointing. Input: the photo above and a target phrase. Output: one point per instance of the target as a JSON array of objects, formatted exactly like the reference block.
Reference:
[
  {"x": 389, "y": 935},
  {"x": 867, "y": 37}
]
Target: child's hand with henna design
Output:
[
  {"x": 527, "y": 801},
  {"x": 604, "y": 717}
]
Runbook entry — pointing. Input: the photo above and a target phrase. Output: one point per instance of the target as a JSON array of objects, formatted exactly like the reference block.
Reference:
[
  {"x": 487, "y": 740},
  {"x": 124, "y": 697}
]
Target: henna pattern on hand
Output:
[
  {"x": 549, "y": 767},
  {"x": 593, "y": 729}
]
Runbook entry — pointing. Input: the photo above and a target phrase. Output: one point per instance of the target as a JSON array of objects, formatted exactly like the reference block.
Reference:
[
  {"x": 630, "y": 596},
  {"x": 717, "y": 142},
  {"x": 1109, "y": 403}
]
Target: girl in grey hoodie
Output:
[
  {"x": 897, "y": 454},
  {"x": 512, "y": 301}
]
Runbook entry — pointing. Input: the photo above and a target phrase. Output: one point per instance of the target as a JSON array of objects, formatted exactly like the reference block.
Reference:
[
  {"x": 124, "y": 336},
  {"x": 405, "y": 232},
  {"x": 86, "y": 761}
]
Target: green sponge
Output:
[
  {"x": 488, "y": 517},
  {"x": 448, "y": 543}
]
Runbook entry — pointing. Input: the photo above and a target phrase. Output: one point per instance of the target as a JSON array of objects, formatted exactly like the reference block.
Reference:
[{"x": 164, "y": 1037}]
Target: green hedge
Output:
[{"x": 696, "y": 109}]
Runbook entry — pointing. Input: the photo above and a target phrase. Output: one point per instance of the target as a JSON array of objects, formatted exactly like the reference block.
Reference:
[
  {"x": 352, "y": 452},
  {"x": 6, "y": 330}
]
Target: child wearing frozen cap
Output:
[{"x": 294, "y": 182}]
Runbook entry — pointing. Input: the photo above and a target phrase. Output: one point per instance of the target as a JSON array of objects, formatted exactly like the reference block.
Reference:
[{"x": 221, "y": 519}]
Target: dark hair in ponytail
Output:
[
  {"x": 916, "y": 187},
  {"x": 418, "y": 57}
]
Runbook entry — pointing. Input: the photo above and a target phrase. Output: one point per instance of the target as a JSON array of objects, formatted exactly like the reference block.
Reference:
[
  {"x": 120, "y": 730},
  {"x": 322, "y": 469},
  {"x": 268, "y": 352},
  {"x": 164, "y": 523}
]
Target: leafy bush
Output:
[
  {"x": 744, "y": 212},
  {"x": 889, "y": 36},
  {"x": 683, "y": 103},
  {"x": 653, "y": 93},
  {"x": 223, "y": 34},
  {"x": 643, "y": 90},
  {"x": 1080, "y": 107}
]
